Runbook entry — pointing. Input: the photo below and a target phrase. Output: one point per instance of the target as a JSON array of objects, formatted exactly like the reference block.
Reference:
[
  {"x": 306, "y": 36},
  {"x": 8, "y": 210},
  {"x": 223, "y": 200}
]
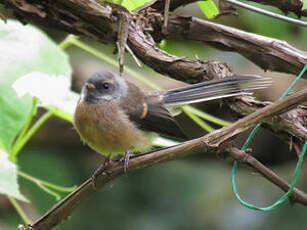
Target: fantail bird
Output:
[{"x": 114, "y": 115}]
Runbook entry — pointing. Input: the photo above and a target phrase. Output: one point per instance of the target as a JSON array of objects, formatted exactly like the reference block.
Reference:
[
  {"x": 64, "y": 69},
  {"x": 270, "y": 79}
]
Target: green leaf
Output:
[
  {"x": 8, "y": 178},
  {"x": 133, "y": 4},
  {"x": 304, "y": 5},
  {"x": 25, "y": 49},
  {"x": 208, "y": 8},
  {"x": 13, "y": 111},
  {"x": 128, "y": 4}
]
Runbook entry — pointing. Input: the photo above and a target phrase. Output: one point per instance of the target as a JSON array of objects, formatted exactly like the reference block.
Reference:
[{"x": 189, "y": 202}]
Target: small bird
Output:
[{"x": 114, "y": 115}]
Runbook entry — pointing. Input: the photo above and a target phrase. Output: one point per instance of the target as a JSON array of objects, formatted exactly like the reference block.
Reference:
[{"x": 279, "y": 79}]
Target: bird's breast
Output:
[{"x": 107, "y": 129}]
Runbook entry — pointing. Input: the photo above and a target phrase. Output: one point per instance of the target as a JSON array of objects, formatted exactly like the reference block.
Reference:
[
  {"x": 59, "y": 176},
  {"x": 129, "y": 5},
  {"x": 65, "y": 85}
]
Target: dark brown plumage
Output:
[{"x": 148, "y": 113}]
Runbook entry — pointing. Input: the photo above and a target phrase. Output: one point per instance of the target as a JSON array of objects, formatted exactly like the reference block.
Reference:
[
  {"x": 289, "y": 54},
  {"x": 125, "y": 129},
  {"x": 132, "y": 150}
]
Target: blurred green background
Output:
[{"x": 190, "y": 193}]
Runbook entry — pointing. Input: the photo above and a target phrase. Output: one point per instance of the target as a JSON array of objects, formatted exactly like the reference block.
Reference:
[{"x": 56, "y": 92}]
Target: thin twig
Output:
[
  {"x": 166, "y": 12},
  {"x": 133, "y": 56},
  {"x": 295, "y": 6},
  {"x": 122, "y": 39},
  {"x": 267, "y": 13},
  {"x": 268, "y": 53}
]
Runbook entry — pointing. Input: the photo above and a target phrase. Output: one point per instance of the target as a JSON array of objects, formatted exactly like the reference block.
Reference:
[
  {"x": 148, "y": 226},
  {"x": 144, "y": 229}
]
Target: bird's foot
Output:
[
  {"x": 100, "y": 170},
  {"x": 126, "y": 158}
]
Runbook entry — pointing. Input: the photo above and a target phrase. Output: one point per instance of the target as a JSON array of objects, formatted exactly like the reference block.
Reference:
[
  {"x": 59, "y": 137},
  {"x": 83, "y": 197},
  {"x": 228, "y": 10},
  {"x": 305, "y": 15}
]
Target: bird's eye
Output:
[
  {"x": 102, "y": 86},
  {"x": 105, "y": 85}
]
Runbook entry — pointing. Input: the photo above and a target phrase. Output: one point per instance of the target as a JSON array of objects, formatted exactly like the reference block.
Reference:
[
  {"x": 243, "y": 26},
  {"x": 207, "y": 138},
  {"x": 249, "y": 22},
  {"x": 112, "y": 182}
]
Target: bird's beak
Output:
[{"x": 90, "y": 86}]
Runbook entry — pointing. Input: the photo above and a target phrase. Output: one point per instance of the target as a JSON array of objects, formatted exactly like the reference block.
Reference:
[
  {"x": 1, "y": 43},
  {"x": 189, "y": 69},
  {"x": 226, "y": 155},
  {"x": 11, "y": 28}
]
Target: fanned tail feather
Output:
[{"x": 215, "y": 89}]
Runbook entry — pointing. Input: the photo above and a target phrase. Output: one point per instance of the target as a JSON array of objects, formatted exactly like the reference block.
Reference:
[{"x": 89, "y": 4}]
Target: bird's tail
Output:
[{"x": 214, "y": 89}]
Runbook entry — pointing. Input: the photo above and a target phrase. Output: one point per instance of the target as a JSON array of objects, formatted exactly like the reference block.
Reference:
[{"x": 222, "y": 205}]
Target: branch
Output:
[
  {"x": 267, "y": 53},
  {"x": 265, "y": 113},
  {"x": 179, "y": 68},
  {"x": 290, "y": 126},
  {"x": 212, "y": 143},
  {"x": 100, "y": 21}
]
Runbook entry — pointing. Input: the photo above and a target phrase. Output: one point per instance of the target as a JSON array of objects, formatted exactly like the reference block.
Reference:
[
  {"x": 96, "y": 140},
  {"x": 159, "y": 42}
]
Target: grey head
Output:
[{"x": 103, "y": 86}]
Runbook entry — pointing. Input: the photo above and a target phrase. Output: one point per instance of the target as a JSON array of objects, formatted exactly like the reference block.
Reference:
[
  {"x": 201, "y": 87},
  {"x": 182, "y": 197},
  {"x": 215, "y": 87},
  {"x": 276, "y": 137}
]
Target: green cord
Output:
[
  {"x": 281, "y": 199},
  {"x": 297, "y": 169},
  {"x": 251, "y": 135}
]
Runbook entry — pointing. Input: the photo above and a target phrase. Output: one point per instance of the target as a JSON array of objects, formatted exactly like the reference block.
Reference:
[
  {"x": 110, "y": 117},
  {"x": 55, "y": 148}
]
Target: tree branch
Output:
[
  {"x": 179, "y": 68},
  {"x": 100, "y": 21},
  {"x": 265, "y": 113},
  {"x": 290, "y": 126},
  {"x": 267, "y": 53},
  {"x": 212, "y": 143}
]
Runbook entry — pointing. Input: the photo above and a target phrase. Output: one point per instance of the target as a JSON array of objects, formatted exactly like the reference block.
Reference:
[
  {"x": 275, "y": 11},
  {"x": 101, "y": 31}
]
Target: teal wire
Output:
[
  {"x": 283, "y": 198},
  {"x": 297, "y": 169},
  {"x": 251, "y": 135}
]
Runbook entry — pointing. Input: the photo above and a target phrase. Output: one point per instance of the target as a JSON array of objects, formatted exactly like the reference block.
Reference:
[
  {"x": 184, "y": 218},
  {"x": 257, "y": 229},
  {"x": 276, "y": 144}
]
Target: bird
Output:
[{"x": 114, "y": 116}]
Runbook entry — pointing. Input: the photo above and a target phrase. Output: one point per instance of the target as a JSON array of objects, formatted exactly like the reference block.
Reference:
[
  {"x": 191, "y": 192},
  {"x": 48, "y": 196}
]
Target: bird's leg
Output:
[
  {"x": 100, "y": 170},
  {"x": 126, "y": 158}
]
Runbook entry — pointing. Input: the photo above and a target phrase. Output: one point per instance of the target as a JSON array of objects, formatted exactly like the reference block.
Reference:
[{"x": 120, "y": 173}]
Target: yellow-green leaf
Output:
[{"x": 208, "y": 8}]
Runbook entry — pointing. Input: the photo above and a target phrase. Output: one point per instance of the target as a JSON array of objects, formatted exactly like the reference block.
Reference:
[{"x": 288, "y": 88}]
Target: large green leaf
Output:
[
  {"x": 24, "y": 49},
  {"x": 8, "y": 177}
]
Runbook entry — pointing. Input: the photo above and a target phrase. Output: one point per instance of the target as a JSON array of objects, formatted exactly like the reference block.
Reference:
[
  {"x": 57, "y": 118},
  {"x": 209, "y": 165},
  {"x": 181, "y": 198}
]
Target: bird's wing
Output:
[
  {"x": 148, "y": 113},
  {"x": 159, "y": 120}
]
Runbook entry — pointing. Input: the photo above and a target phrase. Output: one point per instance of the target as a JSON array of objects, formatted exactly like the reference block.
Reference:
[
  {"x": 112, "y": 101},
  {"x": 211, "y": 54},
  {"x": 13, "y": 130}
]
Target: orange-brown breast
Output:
[{"x": 106, "y": 129}]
